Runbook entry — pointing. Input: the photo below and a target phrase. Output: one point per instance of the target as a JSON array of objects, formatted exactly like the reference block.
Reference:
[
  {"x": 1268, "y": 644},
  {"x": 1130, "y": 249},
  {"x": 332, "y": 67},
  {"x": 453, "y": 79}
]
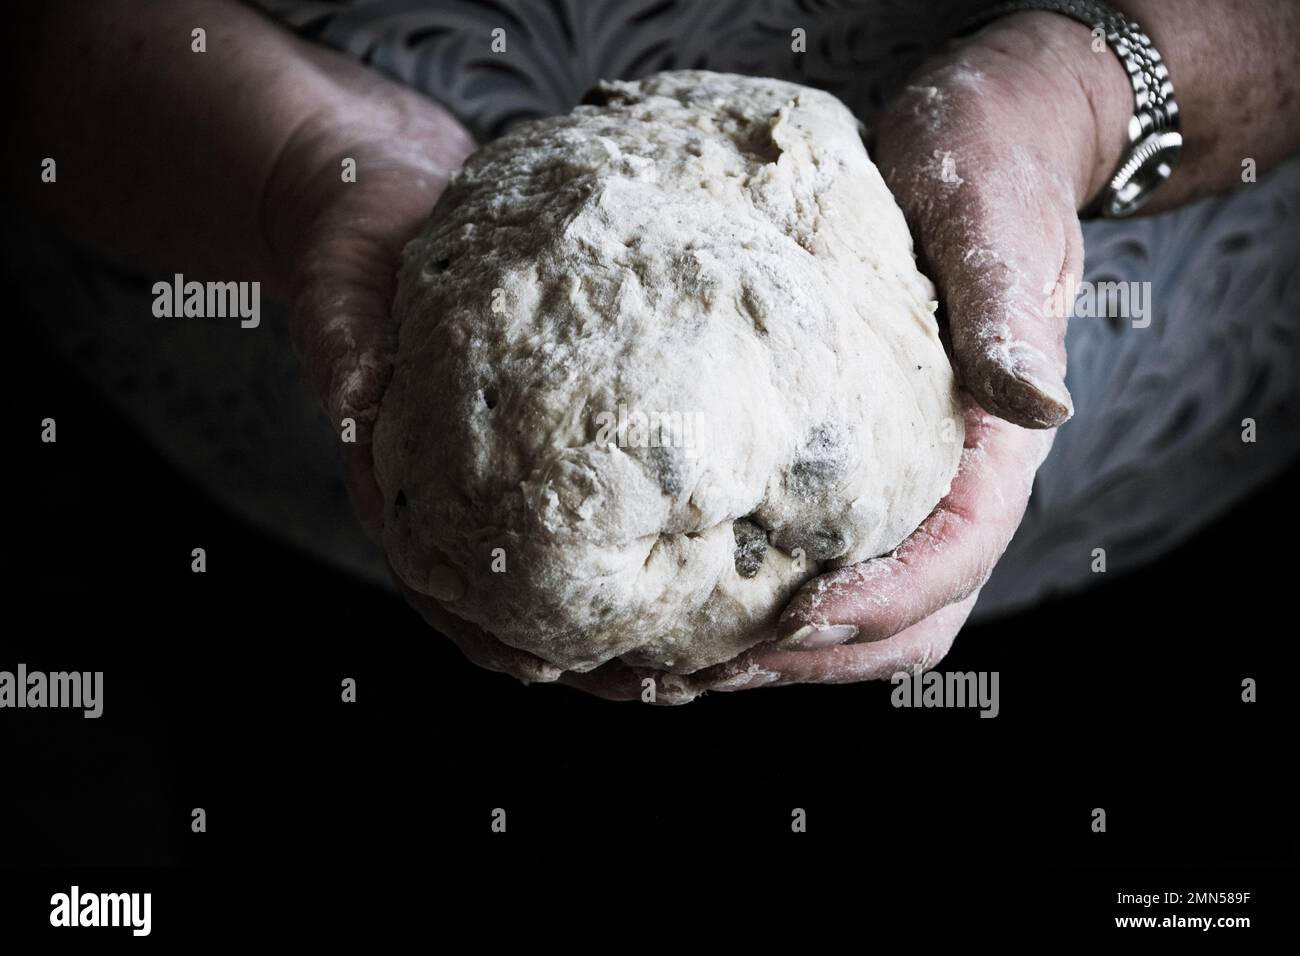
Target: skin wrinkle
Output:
[
  {"x": 359, "y": 393},
  {"x": 276, "y": 168}
]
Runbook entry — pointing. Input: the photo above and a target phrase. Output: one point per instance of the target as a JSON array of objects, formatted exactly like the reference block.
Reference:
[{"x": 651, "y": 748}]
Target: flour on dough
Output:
[{"x": 660, "y": 361}]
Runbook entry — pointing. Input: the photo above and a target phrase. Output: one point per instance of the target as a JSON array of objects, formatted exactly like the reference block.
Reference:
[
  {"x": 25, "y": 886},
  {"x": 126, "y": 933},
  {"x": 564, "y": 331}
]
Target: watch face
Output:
[{"x": 1151, "y": 162}]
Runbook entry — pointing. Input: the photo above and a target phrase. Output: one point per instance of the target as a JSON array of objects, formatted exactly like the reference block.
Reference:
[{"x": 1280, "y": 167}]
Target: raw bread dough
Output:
[{"x": 660, "y": 361}]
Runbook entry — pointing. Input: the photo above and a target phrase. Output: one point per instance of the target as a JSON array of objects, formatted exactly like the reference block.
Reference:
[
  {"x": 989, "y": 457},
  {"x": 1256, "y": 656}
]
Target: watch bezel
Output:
[{"x": 1151, "y": 161}]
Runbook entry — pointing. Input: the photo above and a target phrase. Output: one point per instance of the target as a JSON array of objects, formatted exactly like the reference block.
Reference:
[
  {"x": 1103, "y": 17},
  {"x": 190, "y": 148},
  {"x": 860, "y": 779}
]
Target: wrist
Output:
[
  {"x": 334, "y": 163},
  {"x": 360, "y": 135},
  {"x": 1059, "y": 69},
  {"x": 299, "y": 184}
]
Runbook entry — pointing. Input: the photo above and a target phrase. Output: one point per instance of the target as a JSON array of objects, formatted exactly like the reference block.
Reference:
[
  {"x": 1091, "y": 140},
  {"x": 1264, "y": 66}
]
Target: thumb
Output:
[
  {"x": 1004, "y": 267},
  {"x": 1001, "y": 240},
  {"x": 344, "y": 336},
  {"x": 990, "y": 180}
]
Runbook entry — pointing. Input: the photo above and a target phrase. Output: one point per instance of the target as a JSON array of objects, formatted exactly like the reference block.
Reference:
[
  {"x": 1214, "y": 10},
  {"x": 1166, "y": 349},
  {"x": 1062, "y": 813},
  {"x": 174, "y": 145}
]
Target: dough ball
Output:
[{"x": 660, "y": 361}]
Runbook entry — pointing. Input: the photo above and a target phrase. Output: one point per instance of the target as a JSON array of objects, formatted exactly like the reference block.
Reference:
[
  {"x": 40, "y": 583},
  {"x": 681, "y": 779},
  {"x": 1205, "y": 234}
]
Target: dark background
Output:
[{"x": 222, "y": 691}]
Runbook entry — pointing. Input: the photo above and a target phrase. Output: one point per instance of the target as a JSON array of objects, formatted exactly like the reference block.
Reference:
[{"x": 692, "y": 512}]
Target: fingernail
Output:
[
  {"x": 1054, "y": 400},
  {"x": 810, "y": 636},
  {"x": 747, "y": 680},
  {"x": 444, "y": 584},
  {"x": 543, "y": 673},
  {"x": 674, "y": 690},
  {"x": 1034, "y": 369}
]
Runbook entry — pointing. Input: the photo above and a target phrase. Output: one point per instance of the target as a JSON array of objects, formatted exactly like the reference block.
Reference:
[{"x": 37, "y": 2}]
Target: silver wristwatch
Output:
[{"x": 1154, "y": 140}]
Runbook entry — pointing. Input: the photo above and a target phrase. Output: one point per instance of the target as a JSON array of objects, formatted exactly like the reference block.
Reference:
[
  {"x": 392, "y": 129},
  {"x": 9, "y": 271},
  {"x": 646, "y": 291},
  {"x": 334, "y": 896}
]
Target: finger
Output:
[
  {"x": 920, "y": 646},
  {"x": 997, "y": 232},
  {"x": 946, "y": 559},
  {"x": 343, "y": 333},
  {"x": 476, "y": 644},
  {"x": 363, "y": 490},
  {"x": 342, "y": 328},
  {"x": 611, "y": 681},
  {"x": 617, "y": 681},
  {"x": 999, "y": 284}
]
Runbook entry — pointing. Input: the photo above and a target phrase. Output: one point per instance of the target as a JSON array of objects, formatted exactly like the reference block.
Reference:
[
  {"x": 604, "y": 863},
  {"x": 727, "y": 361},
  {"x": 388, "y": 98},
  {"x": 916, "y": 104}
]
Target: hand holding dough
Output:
[{"x": 661, "y": 361}]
